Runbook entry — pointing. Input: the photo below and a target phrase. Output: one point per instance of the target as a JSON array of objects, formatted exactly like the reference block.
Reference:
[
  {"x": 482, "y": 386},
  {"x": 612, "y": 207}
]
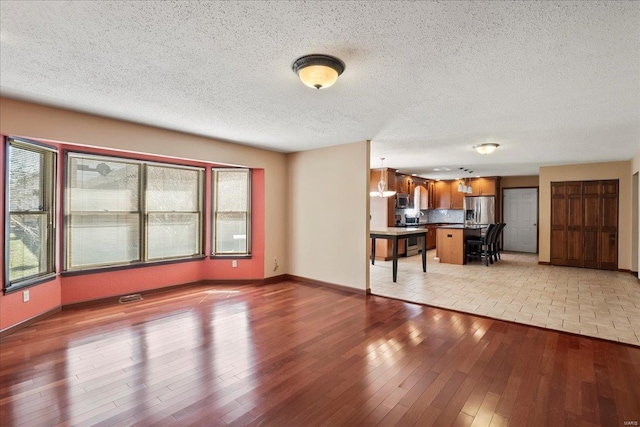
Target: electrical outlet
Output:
[
  {"x": 234, "y": 263},
  {"x": 275, "y": 264},
  {"x": 25, "y": 296}
]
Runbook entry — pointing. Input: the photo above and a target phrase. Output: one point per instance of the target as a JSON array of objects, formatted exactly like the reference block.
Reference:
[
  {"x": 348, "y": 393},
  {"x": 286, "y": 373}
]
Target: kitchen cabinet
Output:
[
  {"x": 431, "y": 237},
  {"x": 451, "y": 243},
  {"x": 483, "y": 186},
  {"x": 431, "y": 194},
  {"x": 457, "y": 198},
  {"x": 443, "y": 195},
  {"x": 447, "y": 195},
  {"x": 420, "y": 197},
  {"x": 404, "y": 184},
  {"x": 584, "y": 224}
]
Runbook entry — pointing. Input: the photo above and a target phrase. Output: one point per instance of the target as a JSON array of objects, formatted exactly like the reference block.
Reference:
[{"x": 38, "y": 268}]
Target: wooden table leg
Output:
[
  {"x": 395, "y": 258},
  {"x": 373, "y": 251}
]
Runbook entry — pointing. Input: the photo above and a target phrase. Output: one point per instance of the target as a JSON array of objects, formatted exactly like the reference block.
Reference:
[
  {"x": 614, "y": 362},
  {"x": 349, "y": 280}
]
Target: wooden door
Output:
[
  {"x": 584, "y": 224},
  {"x": 609, "y": 225},
  {"x": 591, "y": 224},
  {"x": 558, "y": 255},
  {"x": 574, "y": 224}
]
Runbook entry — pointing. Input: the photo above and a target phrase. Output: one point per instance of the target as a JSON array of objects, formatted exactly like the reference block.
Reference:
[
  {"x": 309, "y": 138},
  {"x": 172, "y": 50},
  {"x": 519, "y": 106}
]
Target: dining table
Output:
[{"x": 395, "y": 234}]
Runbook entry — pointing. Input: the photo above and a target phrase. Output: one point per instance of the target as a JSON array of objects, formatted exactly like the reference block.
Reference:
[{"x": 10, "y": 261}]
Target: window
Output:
[
  {"x": 173, "y": 212},
  {"x": 122, "y": 211},
  {"x": 231, "y": 212},
  {"x": 30, "y": 232}
]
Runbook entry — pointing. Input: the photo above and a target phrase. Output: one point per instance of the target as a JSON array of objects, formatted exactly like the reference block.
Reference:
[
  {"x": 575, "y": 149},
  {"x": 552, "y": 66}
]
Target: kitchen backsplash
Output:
[
  {"x": 433, "y": 215},
  {"x": 445, "y": 215}
]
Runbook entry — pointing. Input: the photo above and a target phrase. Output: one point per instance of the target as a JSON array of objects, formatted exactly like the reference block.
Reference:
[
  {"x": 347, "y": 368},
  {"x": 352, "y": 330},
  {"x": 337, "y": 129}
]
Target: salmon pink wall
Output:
[
  {"x": 42, "y": 298},
  {"x": 253, "y": 268},
  {"x": 71, "y": 289}
]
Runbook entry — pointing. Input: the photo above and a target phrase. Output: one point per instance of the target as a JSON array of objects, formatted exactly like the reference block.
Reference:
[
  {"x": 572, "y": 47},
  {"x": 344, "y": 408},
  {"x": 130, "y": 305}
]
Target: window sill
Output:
[
  {"x": 29, "y": 283},
  {"x": 93, "y": 270},
  {"x": 231, "y": 256}
]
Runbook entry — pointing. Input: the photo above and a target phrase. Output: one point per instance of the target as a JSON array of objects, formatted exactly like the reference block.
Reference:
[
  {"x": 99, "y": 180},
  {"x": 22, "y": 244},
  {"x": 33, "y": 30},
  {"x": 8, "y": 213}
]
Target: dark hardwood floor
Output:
[{"x": 297, "y": 355}]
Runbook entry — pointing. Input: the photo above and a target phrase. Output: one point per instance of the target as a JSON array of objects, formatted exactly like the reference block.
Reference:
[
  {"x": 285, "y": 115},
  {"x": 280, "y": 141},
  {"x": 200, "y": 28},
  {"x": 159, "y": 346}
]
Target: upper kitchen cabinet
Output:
[
  {"x": 447, "y": 195},
  {"x": 484, "y": 186},
  {"x": 404, "y": 184},
  {"x": 420, "y": 197},
  {"x": 431, "y": 194},
  {"x": 443, "y": 195},
  {"x": 457, "y": 198}
]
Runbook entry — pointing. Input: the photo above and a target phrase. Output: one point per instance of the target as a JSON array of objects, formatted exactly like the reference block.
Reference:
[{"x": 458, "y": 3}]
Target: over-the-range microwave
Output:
[{"x": 403, "y": 201}]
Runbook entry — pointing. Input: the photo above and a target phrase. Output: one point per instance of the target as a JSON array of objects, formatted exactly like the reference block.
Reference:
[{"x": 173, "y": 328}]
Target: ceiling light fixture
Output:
[
  {"x": 382, "y": 184},
  {"x": 318, "y": 71},
  {"x": 486, "y": 148}
]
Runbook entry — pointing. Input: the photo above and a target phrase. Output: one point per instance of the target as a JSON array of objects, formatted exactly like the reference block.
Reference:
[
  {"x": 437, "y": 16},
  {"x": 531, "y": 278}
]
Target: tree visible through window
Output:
[{"x": 31, "y": 231}]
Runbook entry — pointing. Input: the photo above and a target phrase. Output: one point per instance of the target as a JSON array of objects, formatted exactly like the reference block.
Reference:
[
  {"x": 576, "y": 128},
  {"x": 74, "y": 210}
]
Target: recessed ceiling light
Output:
[{"x": 436, "y": 169}]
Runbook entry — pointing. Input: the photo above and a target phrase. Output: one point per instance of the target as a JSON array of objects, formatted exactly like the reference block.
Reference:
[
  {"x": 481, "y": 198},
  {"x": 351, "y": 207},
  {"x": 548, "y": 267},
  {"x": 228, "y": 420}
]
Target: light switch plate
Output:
[{"x": 25, "y": 296}]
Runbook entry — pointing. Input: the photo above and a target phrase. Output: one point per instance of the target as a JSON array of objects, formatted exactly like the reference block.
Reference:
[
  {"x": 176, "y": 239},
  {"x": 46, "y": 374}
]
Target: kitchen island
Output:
[
  {"x": 394, "y": 234},
  {"x": 451, "y": 242}
]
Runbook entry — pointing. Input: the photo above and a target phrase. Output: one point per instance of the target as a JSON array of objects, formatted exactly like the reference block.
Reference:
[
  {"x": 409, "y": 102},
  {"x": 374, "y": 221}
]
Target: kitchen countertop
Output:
[
  {"x": 397, "y": 231},
  {"x": 463, "y": 227},
  {"x": 420, "y": 224}
]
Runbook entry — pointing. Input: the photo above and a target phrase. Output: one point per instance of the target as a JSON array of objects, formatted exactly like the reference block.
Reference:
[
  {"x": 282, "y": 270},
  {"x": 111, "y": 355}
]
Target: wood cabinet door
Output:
[
  {"x": 431, "y": 237},
  {"x": 443, "y": 195},
  {"x": 487, "y": 186},
  {"x": 558, "y": 255},
  {"x": 609, "y": 225},
  {"x": 432, "y": 194},
  {"x": 457, "y": 198}
]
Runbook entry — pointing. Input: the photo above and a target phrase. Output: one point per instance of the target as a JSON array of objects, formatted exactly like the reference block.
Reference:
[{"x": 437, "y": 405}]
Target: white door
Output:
[{"x": 521, "y": 216}]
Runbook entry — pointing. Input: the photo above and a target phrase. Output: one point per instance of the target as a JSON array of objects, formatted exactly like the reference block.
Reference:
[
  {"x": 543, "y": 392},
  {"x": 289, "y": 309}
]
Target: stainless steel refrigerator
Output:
[{"x": 479, "y": 210}]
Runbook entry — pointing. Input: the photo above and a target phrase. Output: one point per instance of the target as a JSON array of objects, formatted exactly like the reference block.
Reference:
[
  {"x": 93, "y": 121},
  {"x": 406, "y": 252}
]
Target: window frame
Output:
[
  {"x": 48, "y": 199},
  {"x": 213, "y": 223},
  {"x": 143, "y": 260}
]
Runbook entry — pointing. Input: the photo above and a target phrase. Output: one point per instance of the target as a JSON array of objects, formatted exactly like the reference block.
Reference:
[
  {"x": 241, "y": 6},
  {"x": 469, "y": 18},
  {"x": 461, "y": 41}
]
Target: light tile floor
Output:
[{"x": 596, "y": 303}]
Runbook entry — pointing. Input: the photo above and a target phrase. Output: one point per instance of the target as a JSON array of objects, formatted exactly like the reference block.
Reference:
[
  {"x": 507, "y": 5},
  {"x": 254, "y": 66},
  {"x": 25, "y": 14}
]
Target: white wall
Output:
[{"x": 328, "y": 224}]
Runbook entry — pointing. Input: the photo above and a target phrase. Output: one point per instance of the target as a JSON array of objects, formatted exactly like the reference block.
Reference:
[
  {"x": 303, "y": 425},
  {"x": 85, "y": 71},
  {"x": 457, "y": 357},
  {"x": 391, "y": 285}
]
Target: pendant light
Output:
[{"x": 382, "y": 184}]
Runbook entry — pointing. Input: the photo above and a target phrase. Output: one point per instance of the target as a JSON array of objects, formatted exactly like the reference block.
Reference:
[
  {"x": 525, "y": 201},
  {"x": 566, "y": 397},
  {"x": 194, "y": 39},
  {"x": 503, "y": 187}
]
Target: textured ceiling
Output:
[{"x": 552, "y": 83}]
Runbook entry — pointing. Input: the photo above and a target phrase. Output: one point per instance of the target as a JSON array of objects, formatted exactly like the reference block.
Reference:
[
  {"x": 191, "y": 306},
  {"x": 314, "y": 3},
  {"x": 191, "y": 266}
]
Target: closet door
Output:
[
  {"x": 591, "y": 223},
  {"x": 574, "y": 224},
  {"x": 558, "y": 250},
  {"x": 609, "y": 225}
]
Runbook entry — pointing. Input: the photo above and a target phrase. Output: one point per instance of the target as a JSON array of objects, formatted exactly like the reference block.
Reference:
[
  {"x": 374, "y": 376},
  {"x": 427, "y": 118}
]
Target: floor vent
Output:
[{"x": 130, "y": 298}]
